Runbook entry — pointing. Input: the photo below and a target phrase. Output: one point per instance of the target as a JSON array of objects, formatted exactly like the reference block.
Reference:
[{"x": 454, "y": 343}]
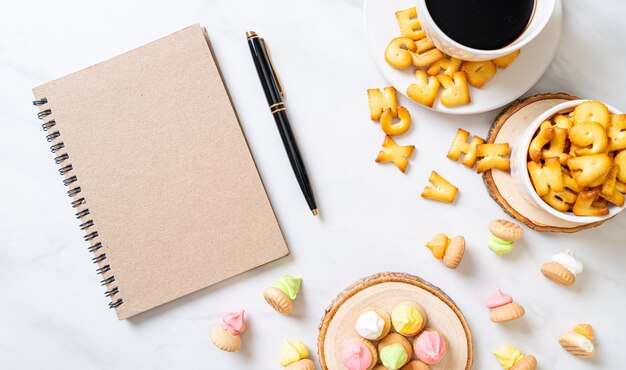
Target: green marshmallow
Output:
[
  {"x": 393, "y": 356},
  {"x": 499, "y": 246},
  {"x": 289, "y": 285}
]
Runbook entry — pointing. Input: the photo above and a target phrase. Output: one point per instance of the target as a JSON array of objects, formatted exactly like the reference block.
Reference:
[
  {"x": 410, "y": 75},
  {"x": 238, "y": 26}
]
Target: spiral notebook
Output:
[{"x": 159, "y": 172}]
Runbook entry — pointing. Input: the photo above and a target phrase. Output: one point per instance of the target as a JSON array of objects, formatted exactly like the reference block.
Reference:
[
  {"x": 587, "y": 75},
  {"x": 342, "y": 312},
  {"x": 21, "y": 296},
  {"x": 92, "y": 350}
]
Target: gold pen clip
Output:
[{"x": 280, "y": 87}]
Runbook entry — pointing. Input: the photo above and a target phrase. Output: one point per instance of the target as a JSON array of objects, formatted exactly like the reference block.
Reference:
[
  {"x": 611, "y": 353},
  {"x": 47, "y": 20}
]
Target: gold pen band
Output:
[
  {"x": 277, "y": 104},
  {"x": 278, "y": 110}
]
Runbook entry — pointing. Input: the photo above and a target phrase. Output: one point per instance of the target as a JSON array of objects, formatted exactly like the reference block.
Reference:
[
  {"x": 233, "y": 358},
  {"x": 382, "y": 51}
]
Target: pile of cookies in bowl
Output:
[{"x": 400, "y": 340}]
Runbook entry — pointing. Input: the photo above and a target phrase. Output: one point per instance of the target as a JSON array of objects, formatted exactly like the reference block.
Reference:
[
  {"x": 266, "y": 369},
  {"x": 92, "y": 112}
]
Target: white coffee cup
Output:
[
  {"x": 519, "y": 167},
  {"x": 541, "y": 15}
]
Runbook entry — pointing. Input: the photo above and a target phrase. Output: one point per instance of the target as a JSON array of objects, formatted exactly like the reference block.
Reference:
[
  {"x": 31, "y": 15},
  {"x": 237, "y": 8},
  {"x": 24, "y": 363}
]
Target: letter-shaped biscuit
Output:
[
  {"x": 399, "y": 52},
  {"x": 584, "y": 204},
  {"x": 400, "y": 128},
  {"x": 589, "y": 168},
  {"x": 424, "y": 90},
  {"x": 455, "y": 92},
  {"x": 448, "y": 65},
  {"x": 425, "y": 53},
  {"x": 589, "y": 133},
  {"x": 620, "y": 161},
  {"x": 409, "y": 24},
  {"x": 504, "y": 61},
  {"x": 557, "y": 145},
  {"x": 562, "y": 122},
  {"x": 617, "y": 132},
  {"x": 545, "y": 134},
  {"x": 443, "y": 190},
  {"x": 546, "y": 177},
  {"x": 569, "y": 182},
  {"x": 491, "y": 155},
  {"x": 609, "y": 191},
  {"x": 479, "y": 73},
  {"x": 379, "y": 101},
  {"x": 391, "y": 152},
  {"x": 460, "y": 145},
  {"x": 591, "y": 111},
  {"x": 620, "y": 186},
  {"x": 561, "y": 201}
]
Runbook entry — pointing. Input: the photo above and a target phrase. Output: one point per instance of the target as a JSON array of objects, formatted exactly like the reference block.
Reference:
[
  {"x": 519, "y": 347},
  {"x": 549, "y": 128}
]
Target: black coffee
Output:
[{"x": 482, "y": 24}]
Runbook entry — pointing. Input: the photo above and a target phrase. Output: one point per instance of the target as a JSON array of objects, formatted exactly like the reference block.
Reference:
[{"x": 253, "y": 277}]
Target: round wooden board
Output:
[
  {"x": 384, "y": 291},
  {"x": 507, "y": 128}
]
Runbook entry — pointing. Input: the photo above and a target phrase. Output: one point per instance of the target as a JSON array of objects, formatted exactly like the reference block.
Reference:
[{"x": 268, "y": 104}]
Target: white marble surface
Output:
[{"x": 53, "y": 312}]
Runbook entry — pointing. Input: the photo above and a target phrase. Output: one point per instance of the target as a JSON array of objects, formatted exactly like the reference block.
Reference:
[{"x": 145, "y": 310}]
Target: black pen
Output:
[{"x": 274, "y": 95}]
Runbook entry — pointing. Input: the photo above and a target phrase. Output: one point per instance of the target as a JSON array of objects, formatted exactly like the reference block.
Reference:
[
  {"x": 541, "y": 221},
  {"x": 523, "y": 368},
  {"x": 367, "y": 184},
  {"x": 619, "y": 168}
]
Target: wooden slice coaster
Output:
[
  {"x": 507, "y": 128},
  {"x": 384, "y": 291}
]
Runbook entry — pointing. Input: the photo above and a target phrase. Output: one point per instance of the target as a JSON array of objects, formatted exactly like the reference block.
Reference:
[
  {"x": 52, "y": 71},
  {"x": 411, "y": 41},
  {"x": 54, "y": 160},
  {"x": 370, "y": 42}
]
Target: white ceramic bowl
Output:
[
  {"x": 521, "y": 178},
  {"x": 541, "y": 15}
]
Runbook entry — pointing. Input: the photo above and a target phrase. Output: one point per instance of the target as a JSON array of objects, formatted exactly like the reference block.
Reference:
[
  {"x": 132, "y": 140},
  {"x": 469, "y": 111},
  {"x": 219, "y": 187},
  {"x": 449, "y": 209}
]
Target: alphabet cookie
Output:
[
  {"x": 455, "y": 91},
  {"x": 392, "y": 152},
  {"x": 424, "y": 90},
  {"x": 461, "y": 146},
  {"x": 400, "y": 128},
  {"x": 442, "y": 191},
  {"x": 492, "y": 156},
  {"x": 479, "y": 73}
]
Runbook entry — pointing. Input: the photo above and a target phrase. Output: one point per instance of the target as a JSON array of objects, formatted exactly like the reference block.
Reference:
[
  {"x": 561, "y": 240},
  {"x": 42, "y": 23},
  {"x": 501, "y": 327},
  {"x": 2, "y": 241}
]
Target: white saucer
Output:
[{"x": 507, "y": 85}]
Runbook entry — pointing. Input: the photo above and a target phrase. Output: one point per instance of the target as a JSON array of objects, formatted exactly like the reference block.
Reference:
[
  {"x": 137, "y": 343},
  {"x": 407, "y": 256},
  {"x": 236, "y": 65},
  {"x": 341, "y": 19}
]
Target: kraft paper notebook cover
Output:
[{"x": 159, "y": 172}]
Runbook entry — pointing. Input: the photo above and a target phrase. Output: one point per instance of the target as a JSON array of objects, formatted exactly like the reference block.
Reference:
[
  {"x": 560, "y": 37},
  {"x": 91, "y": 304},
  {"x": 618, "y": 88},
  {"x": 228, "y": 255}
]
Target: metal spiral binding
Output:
[{"x": 69, "y": 178}]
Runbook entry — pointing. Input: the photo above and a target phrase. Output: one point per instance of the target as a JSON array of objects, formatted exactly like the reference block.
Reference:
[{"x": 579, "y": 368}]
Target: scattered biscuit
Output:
[
  {"x": 392, "y": 152},
  {"x": 455, "y": 91},
  {"x": 449, "y": 65},
  {"x": 443, "y": 190},
  {"x": 506, "y": 60},
  {"x": 424, "y": 90},
  {"x": 502, "y": 307},
  {"x": 281, "y": 295},
  {"x": 479, "y": 73},
  {"x": 450, "y": 250},
  {"x": 409, "y": 24},
  {"x": 379, "y": 102},
  {"x": 399, "y": 52},
  {"x": 226, "y": 336},
  {"x": 563, "y": 268},
  {"x": 578, "y": 342},
  {"x": 393, "y": 129},
  {"x": 425, "y": 53},
  {"x": 510, "y": 358},
  {"x": 461, "y": 146},
  {"x": 492, "y": 156}
]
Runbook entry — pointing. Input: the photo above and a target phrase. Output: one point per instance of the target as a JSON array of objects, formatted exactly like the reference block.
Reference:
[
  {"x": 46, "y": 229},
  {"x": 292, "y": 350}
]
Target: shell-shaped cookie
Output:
[
  {"x": 278, "y": 300},
  {"x": 454, "y": 253},
  {"x": 225, "y": 340},
  {"x": 396, "y": 338},
  {"x": 528, "y": 362},
  {"x": 577, "y": 344},
  {"x": 558, "y": 273},
  {"x": 413, "y": 365},
  {"x": 304, "y": 364},
  {"x": 506, "y": 230},
  {"x": 508, "y": 312},
  {"x": 372, "y": 349}
]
